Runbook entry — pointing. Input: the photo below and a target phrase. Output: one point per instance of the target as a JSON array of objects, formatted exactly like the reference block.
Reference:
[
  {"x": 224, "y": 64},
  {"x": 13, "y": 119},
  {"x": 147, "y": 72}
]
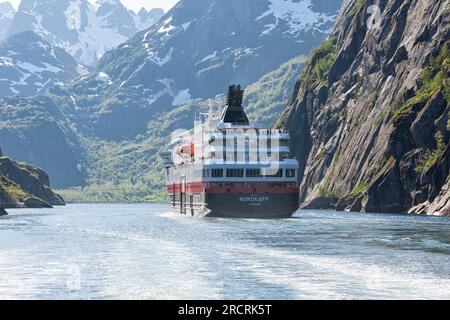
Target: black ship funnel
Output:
[{"x": 234, "y": 112}]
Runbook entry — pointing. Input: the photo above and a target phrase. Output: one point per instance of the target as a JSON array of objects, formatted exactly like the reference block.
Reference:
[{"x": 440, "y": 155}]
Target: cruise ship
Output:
[{"x": 227, "y": 167}]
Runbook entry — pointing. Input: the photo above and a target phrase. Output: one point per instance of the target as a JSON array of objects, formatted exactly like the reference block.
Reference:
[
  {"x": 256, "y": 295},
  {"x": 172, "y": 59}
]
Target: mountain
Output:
[
  {"x": 116, "y": 17},
  {"x": 194, "y": 52},
  {"x": 29, "y": 65},
  {"x": 77, "y": 26},
  {"x": 119, "y": 117},
  {"x": 146, "y": 18},
  {"x": 6, "y": 16},
  {"x": 265, "y": 99},
  {"x": 369, "y": 117},
  {"x": 22, "y": 185},
  {"x": 36, "y": 131}
]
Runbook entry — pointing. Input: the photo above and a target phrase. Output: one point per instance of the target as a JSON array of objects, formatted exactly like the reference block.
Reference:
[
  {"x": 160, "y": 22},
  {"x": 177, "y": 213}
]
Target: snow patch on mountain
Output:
[
  {"x": 5, "y": 61},
  {"x": 73, "y": 15},
  {"x": 151, "y": 97},
  {"x": 182, "y": 97},
  {"x": 94, "y": 39},
  {"x": 166, "y": 26},
  {"x": 152, "y": 56},
  {"x": 84, "y": 30},
  {"x": 208, "y": 57},
  {"x": 29, "y": 65},
  {"x": 186, "y": 25},
  {"x": 103, "y": 77},
  {"x": 6, "y": 16},
  {"x": 82, "y": 70},
  {"x": 297, "y": 14},
  {"x": 32, "y": 68}
]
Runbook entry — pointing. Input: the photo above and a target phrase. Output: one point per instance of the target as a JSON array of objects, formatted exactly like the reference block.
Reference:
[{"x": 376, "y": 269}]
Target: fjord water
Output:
[{"x": 95, "y": 251}]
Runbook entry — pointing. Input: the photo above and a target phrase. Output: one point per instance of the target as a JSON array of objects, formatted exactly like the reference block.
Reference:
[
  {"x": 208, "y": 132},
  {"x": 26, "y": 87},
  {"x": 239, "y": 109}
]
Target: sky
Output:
[{"x": 132, "y": 4}]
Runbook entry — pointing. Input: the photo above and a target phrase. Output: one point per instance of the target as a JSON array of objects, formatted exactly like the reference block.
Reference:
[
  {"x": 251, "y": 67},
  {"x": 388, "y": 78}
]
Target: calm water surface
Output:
[{"x": 94, "y": 251}]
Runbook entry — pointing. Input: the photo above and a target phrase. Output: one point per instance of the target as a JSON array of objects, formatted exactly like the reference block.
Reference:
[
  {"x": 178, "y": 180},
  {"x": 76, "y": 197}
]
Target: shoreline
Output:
[
  {"x": 3, "y": 212},
  {"x": 312, "y": 207}
]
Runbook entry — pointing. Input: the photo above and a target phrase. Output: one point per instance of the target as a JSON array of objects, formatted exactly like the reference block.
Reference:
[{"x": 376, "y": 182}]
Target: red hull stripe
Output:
[
  {"x": 200, "y": 187},
  {"x": 252, "y": 190}
]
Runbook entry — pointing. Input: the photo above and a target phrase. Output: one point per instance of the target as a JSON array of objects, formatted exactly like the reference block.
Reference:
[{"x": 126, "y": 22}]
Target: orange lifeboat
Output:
[{"x": 186, "y": 150}]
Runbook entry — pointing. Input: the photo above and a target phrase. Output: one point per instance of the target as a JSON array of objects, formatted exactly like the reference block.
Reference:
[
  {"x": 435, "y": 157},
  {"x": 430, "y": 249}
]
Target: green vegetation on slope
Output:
[
  {"x": 267, "y": 98},
  {"x": 358, "y": 7},
  {"x": 431, "y": 157},
  {"x": 13, "y": 190},
  {"x": 132, "y": 171},
  {"x": 325, "y": 193},
  {"x": 318, "y": 65},
  {"x": 359, "y": 189},
  {"x": 21, "y": 183},
  {"x": 434, "y": 78}
]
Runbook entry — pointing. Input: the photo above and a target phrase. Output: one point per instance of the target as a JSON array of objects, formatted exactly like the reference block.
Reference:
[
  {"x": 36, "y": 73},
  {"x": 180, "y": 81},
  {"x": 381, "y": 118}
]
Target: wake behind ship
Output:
[{"x": 227, "y": 167}]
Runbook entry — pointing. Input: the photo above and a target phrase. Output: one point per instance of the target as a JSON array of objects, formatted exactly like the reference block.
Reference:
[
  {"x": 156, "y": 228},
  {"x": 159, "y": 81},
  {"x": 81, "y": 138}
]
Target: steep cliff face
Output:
[
  {"x": 22, "y": 185},
  {"x": 369, "y": 116}
]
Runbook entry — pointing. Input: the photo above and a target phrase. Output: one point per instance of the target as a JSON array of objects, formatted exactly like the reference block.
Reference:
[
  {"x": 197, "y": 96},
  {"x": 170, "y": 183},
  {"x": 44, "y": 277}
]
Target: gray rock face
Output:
[
  {"x": 369, "y": 114},
  {"x": 25, "y": 185},
  {"x": 320, "y": 203},
  {"x": 6, "y": 16},
  {"x": 32, "y": 180},
  {"x": 76, "y": 26},
  {"x": 144, "y": 19},
  {"x": 116, "y": 17},
  {"x": 29, "y": 65}
]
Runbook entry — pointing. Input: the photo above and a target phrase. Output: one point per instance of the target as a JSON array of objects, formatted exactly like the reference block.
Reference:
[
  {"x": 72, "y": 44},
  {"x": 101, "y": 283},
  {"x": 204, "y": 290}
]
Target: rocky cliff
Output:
[
  {"x": 22, "y": 185},
  {"x": 369, "y": 116}
]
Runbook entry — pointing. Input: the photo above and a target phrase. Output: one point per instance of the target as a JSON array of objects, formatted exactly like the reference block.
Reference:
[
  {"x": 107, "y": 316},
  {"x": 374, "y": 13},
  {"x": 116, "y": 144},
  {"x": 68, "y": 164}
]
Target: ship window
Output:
[
  {"x": 290, "y": 173},
  {"x": 284, "y": 156},
  {"x": 278, "y": 174},
  {"x": 206, "y": 173},
  {"x": 217, "y": 173},
  {"x": 253, "y": 173},
  {"x": 235, "y": 173}
]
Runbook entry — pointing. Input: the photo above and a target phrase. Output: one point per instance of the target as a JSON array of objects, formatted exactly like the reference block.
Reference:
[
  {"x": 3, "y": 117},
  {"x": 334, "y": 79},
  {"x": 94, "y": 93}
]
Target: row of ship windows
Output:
[
  {"x": 252, "y": 185},
  {"x": 241, "y": 156},
  {"x": 247, "y": 143},
  {"x": 249, "y": 173}
]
